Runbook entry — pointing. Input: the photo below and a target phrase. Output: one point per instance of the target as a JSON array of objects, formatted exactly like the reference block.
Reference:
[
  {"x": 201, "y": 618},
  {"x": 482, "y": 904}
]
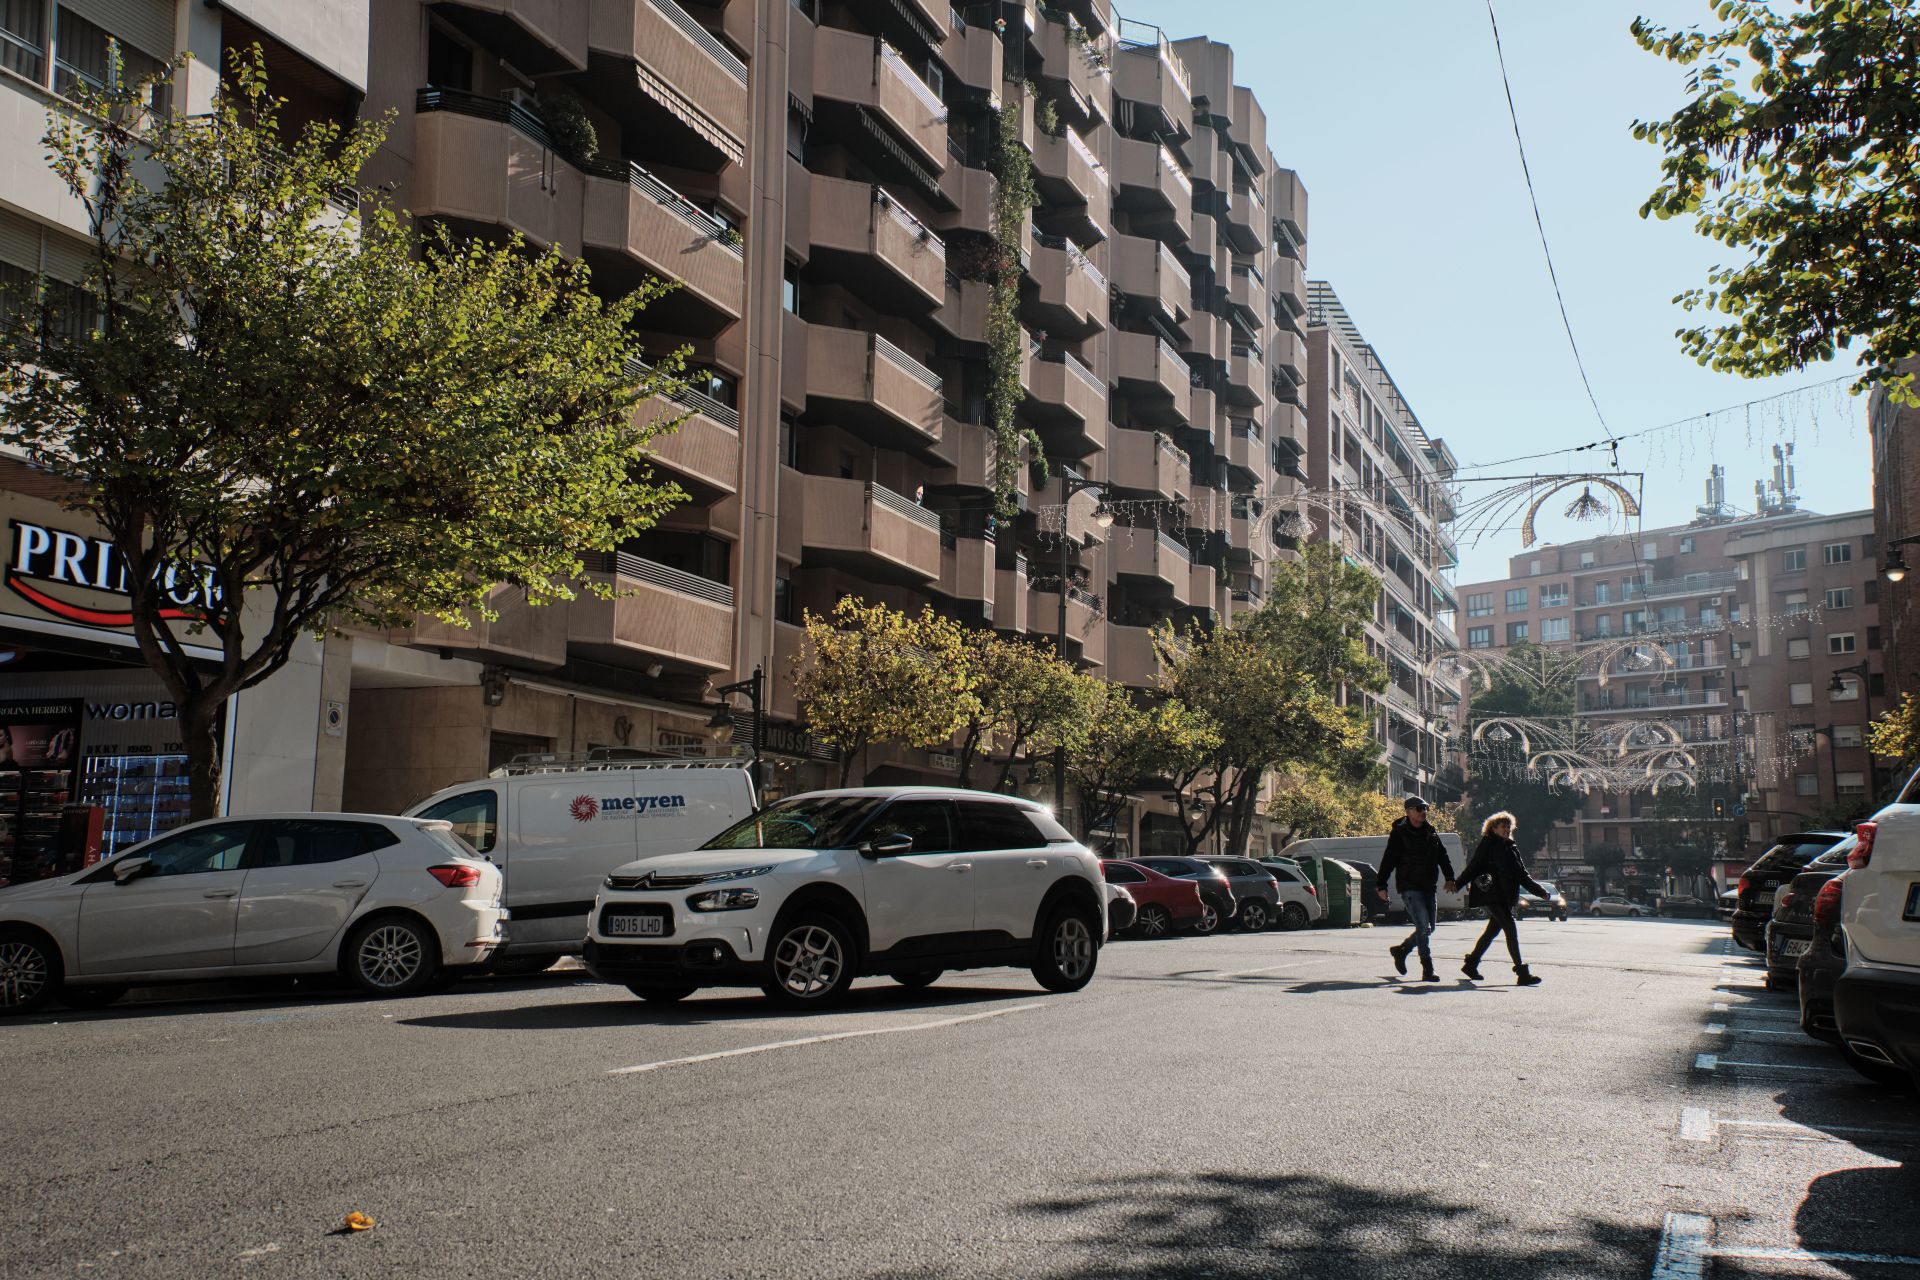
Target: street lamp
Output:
[
  {"x": 754, "y": 687},
  {"x": 1895, "y": 569},
  {"x": 1837, "y": 685},
  {"x": 1070, "y": 484}
]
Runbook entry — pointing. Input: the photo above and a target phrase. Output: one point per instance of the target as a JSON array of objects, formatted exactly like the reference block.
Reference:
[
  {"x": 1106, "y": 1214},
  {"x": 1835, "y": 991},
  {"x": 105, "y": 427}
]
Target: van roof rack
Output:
[{"x": 610, "y": 760}]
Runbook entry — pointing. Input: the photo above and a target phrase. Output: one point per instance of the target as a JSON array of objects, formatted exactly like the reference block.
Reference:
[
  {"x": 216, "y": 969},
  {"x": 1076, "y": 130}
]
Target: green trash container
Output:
[{"x": 1338, "y": 885}]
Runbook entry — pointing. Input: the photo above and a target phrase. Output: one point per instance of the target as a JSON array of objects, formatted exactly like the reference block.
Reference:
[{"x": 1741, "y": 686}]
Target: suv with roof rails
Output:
[
  {"x": 1876, "y": 999},
  {"x": 820, "y": 889}
]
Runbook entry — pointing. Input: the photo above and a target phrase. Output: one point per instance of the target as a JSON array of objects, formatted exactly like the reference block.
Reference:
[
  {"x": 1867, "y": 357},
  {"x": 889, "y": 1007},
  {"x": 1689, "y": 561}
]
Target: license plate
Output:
[
  {"x": 632, "y": 926},
  {"x": 1794, "y": 947}
]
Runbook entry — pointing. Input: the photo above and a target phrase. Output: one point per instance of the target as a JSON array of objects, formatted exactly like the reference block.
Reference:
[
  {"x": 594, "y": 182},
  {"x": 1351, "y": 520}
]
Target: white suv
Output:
[
  {"x": 1877, "y": 999},
  {"x": 823, "y": 888}
]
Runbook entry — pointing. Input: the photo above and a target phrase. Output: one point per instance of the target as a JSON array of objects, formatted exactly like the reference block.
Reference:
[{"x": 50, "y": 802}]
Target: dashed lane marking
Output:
[
  {"x": 1716, "y": 1028},
  {"x": 1705, "y": 1061},
  {"x": 1696, "y": 1124},
  {"x": 1813, "y": 1255},
  {"x": 821, "y": 1039},
  {"x": 1684, "y": 1239},
  {"x": 1715, "y": 1062}
]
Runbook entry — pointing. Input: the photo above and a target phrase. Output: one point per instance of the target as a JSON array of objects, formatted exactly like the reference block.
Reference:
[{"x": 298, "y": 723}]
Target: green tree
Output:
[
  {"x": 1895, "y": 733},
  {"x": 1607, "y": 860},
  {"x": 1122, "y": 744},
  {"x": 1497, "y": 771},
  {"x": 1685, "y": 835},
  {"x": 1024, "y": 699},
  {"x": 867, "y": 673},
  {"x": 1313, "y": 804},
  {"x": 319, "y": 416},
  {"x": 1797, "y": 148}
]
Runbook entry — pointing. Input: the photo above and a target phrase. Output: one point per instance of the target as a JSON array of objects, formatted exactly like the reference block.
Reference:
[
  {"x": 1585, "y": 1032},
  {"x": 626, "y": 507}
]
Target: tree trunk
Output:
[{"x": 199, "y": 721}]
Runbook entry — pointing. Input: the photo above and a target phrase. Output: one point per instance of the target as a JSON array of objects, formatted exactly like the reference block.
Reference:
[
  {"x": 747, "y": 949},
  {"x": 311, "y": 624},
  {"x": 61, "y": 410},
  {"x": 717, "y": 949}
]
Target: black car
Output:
[
  {"x": 1684, "y": 906},
  {"x": 1790, "y": 930},
  {"x": 1216, "y": 891},
  {"x": 1771, "y": 870},
  {"x": 1825, "y": 960}
]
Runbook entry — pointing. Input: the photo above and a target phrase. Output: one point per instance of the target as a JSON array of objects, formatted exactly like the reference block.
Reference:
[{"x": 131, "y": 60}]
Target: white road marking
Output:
[
  {"x": 1825, "y": 1132},
  {"x": 1683, "y": 1247},
  {"x": 1705, "y": 1062},
  {"x": 1775, "y": 1066},
  {"x": 1716, "y": 1028},
  {"x": 1792, "y": 1035},
  {"x": 1720, "y": 1006},
  {"x": 1696, "y": 1124},
  {"x": 1805, "y": 1255},
  {"x": 821, "y": 1039}
]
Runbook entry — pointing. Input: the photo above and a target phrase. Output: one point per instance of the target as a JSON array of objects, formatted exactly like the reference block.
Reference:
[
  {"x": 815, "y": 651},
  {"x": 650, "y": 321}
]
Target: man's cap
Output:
[{"x": 1414, "y": 802}]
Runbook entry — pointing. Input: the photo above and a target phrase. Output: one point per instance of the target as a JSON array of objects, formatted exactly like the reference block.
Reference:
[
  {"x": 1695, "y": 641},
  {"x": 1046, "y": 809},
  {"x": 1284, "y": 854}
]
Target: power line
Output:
[{"x": 1526, "y": 171}]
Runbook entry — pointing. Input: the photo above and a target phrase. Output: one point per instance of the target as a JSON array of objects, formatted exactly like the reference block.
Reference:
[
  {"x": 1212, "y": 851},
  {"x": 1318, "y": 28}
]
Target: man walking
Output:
[{"x": 1416, "y": 859}]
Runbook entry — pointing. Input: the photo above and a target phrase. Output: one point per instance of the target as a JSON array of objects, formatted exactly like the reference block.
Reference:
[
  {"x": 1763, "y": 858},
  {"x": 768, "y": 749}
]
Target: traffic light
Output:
[{"x": 1719, "y": 808}]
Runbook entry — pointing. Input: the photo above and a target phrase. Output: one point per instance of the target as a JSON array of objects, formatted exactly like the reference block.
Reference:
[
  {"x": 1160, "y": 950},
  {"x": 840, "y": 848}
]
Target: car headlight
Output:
[
  {"x": 724, "y": 900},
  {"x": 742, "y": 873}
]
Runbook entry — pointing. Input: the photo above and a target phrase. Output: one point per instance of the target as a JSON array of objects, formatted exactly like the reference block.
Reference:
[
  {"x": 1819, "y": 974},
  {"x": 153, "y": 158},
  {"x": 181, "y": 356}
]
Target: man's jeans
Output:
[{"x": 1420, "y": 909}]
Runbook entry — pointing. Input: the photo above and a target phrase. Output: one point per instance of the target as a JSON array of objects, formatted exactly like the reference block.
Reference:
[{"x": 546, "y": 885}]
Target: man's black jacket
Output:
[{"x": 1415, "y": 858}]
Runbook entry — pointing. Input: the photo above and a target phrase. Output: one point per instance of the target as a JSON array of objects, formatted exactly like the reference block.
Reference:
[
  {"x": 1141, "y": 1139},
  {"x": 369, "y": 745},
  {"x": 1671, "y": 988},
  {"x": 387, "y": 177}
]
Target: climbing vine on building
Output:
[{"x": 1014, "y": 168}]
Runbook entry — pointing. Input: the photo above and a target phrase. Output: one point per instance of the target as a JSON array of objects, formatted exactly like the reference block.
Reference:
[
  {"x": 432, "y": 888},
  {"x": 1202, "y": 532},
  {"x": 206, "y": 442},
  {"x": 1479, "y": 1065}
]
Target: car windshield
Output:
[
  {"x": 1837, "y": 856},
  {"x": 806, "y": 822}
]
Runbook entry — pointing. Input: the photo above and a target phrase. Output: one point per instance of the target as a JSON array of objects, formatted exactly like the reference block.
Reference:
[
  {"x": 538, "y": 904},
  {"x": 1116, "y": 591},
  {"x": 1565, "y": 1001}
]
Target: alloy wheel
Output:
[
  {"x": 24, "y": 974},
  {"x": 390, "y": 956},
  {"x": 1153, "y": 921},
  {"x": 1072, "y": 948},
  {"x": 1209, "y": 917},
  {"x": 1253, "y": 915},
  {"x": 808, "y": 962}
]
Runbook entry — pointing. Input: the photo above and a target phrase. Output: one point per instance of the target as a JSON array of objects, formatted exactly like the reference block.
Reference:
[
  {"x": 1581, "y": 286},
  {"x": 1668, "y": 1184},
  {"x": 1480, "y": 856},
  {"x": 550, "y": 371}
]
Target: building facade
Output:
[
  {"x": 1896, "y": 514},
  {"x": 1381, "y": 490}
]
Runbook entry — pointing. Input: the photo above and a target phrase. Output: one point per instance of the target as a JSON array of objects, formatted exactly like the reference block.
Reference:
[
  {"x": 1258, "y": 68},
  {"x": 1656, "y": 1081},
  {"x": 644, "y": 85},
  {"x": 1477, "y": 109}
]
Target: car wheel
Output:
[
  {"x": 1155, "y": 921},
  {"x": 920, "y": 978},
  {"x": 391, "y": 956},
  {"x": 1255, "y": 916},
  {"x": 655, "y": 993},
  {"x": 1293, "y": 916},
  {"x": 811, "y": 961},
  {"x": 29, "y": 971},
  {"x": 1878, "y": 1072},
  {"x": 521, "y": 966},
  {"x": 1211, "y": 917},
  {"x": 90, "y": 997},
  {"x": 1069, "y": 949}
]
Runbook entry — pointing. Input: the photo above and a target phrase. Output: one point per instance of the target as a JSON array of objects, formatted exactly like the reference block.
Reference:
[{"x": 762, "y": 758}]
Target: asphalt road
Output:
[{"x": 1236, "y": 1106}]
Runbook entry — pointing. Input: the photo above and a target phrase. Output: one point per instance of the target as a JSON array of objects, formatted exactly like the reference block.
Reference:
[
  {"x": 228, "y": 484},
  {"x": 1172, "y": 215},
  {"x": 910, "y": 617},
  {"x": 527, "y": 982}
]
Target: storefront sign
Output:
[{"x": 83, "y": 579}]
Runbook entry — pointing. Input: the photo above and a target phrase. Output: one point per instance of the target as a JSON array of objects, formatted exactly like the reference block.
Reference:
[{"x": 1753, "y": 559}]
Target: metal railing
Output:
[
  {"x": 625, "y": 564},
  {"x": 1172, "y": 546},
  {"x": 1690, "y": 584},
  {"x": 898, "y": 212},
  {"x": 1081, "y": 371},
  {"x": 689, "y": 398},
  {"x": 1077, "y": 144},
  {"x": 692, "y": 214},
  {"x": 906, "y": 363},
  {"x": 701, "y": 36},
  {"x": 890, "y": 59},
  {"x": 881, "y": 496}
]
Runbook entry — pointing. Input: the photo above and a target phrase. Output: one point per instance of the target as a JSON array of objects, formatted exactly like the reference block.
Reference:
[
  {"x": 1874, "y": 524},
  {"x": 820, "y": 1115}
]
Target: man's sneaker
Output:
[
  {"x": 1399, "y": 960},
  {"x": 1525, "y": 977},
  {"x": 1471, "y": 968}
]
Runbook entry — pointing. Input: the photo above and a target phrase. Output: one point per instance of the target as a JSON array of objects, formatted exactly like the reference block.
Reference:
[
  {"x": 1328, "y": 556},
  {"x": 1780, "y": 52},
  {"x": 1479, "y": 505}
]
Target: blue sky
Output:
[{"x": 1393, "y": 114}]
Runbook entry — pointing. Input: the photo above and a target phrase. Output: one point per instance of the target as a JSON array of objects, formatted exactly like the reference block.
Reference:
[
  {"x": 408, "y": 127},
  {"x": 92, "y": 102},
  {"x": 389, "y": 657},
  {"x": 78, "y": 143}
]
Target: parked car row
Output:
[{"x": 1207, "y": 895}]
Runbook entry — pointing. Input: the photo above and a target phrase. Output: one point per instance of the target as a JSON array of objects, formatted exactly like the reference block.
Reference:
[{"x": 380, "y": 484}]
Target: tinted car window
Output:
[
  {"x": 1283, "y": 875},
  {"x": 1049, "y": 826},
  {"x": 1121, "y": 875},
  {"x": 805, "y": 822},
  {"x": 475, "y": 817},
  {"x": 305, "y": 842},
  {"x": 928, "y": 822},
  {"x": 205, "y": 849},
  {"x": 986, "y": 825}
]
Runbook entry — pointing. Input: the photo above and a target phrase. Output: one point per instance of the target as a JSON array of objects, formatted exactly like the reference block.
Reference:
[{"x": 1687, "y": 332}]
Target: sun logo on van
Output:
[{"x": 583, "y": 808}]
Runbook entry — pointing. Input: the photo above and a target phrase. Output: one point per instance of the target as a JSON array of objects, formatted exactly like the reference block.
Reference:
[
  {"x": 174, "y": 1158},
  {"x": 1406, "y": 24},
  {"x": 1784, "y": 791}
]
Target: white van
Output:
[
  {"x": 556, "y": 828},
  {"x": 1370, "y": 849}
]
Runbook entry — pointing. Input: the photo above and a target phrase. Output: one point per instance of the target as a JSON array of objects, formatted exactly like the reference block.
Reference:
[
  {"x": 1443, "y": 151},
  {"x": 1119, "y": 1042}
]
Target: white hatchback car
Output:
[
  {"x": 823, "y": 888},
  {"x": 390, "y": 903}
]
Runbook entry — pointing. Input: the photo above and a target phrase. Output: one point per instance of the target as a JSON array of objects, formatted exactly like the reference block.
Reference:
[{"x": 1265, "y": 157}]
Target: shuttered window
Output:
[{"x": 147, "y": 25}]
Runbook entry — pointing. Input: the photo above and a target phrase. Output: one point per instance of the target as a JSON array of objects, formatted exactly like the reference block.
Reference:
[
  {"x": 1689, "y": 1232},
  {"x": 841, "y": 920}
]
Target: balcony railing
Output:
[
  {"x": 1075, "y": 256},
  {"x": 701, "y": 36},
  {"x": 625, "y": 564},
  {"x": 907, "y": 364},
  {"x": 921, "y": 231},
  {"x": 1690, "y": 585},
  {"x": 698, "y": 401},
  {"x": 1172, "y": 546},
  {"x": 1081, "y": 371},
  {"x": 1078, "y": 146},
  {"x": 891, "y": 59},
  {"x": 885, "y": 497},
  {"x": 687, "y": 211}
]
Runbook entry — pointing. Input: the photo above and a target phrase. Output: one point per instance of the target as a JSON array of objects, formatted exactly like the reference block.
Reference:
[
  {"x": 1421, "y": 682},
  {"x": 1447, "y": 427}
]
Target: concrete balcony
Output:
[
  {"x": 869, "y": 531},
  {"x": 967, "y": 573},
  {"x": 1146, "y": 271},
  {"x": 1287, "y": 285},
  {"x": 704, "y": 448},
  {"x": 1080, "y": 62},
  {"x": 1203, "y": 587},
  {"x": 1082, "y": 527},
  {"x": 1130, "y": 657},
  {"x": 1068, "y": 406},
  {"x": 1287, "y": 353},
  {"x": 963, "y": 314},
  {"x": 1245, "y": 386},
  {"x": 865, "y": 71},
  {"x": 1151, "y": 373},
  {"x": 657, "y": 614},
  {"x": 1153, "y": 562},
  {"x": 546, "y": 35},
  {"x": 1243, "y": 219},
  {"x": 978, "y": 59},
  {"x": 484, "y": 163},
  {"x": 1243, "y": 449},
  {"x": 868, "y": 385},
  {"x": 1153, "y": 78},
  {"x": 522, "y": 633},
  {"x": 1011, "y": 606},
  {"x": 1086, "y": 629},
  {"x": 1068, "y": 174},
  {"x": 968, "y": 452},
  {"x": 1146, "y": 464},
  {"x": 1247, "y": 290},
  {"x": 867, "y": 241},
  {"x": 1071, "y": 299},
  {"x": 1149, "y": 183},
  {"x": 971, "y": 192},
  {"x": 1287, "y": 202},
  {"x": 653, "y": 53},
  {"x": 633, "y": 218}
]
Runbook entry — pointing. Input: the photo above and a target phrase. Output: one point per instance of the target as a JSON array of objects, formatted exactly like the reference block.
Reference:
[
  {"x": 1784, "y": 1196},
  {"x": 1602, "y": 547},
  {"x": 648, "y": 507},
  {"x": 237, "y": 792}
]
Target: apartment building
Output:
[
  {"x": 1740, "y": 640},
  {"x": 1391, "y": 495},
  {"x": 83, "y": 713},
  {"x": 1896, "y": 514}
]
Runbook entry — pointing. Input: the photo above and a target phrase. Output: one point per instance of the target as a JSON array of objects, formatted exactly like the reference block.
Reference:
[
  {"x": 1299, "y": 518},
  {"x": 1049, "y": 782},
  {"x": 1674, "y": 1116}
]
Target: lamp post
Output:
[
  {"x": 1895, "y": 569},
  {"x": 1070, "y": 484},
  {"x": 754, "y": 687},
  {"x": 1861, "y": 669}
]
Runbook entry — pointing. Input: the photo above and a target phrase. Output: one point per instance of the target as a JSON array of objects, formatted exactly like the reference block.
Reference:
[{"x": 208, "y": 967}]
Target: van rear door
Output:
[{"x": 568, "y": 833}]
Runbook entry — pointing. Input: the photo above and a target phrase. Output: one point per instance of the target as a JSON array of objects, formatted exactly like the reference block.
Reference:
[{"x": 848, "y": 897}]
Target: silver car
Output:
[
  {"x": 392, "y": 904},
  {"x": 1614, "y": 905}
]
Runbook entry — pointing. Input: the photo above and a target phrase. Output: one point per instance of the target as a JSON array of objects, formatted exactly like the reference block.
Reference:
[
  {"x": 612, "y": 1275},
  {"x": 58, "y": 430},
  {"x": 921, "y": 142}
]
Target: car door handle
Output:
[
  {"x": 220, "y": 893},
  {"x": 349, "y": 884},
  {"x": 963, "y": 866},
  {"x": 1040, "y": 863}
]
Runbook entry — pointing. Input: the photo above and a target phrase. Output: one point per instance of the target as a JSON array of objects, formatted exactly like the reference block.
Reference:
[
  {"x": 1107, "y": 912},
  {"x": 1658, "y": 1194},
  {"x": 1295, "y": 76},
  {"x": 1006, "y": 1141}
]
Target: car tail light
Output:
[
  {"x": 1312, "y": 892},
  {"x": 1863, "y": 851},
  {"x": 1786, "y": 900},
  {"x": 1746, "y": 885},
  {"x": 1826, "y": 903},
  {"x": 455, "y": 876}
]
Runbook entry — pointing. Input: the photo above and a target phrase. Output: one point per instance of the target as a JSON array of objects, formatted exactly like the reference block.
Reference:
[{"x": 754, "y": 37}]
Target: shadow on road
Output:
[
  {"x": 1399, "y": 986},
  {"x": 267, "y": 995},
  {"x": 1236, "y": 1225},
  {"x": 1869, "y": 1209},
  {"x": 720, "y": 1006}
]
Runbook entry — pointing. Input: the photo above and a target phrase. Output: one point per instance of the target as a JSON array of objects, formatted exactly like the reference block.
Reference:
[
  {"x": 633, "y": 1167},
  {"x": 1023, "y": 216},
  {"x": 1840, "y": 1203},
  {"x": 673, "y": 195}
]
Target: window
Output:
[
  {"x": 1873, "y": 637},
  {"x": 83, "y": 51},
  {"x": 1800, "y": 695},
  {"x": 1846, "y": 735},
  {"x": 796, "y": 135},
  {"x": 311, "y": 842},
  {"x": 1850, "y": 784},
  {"x": 929, "y": 823},
  {"x": 449, "y": 62},
  {"x": 23, "y": 38},
  {"x": 205, "y": 849},
  {"x": 789, "y": 442},
  {"x": 987, "y": 825},
  {"x": 1649, "y": 551},
  {"x": 1552, "y": 629},
  {"x": 1849, "y": 690},
  {"x": 1709, "y": 615},
  {"x": 1793, "y": 560},
  {"x": 1479, "y": 637},
  {"x": 1837, "y": 553},
  {"x": 1686, "y": 546},
  {"x": 1806, "y": 784},
  {"x": 1533, "y": 569},
  {"x": 714, "y": 384},
  {"x": 1794, "y": 603},
  {"x": 1603, "y": 593},
  {"x": 1603, "y": 625},
  {"x": 790, "y": 288},
  {"x": 1120, "y": 873},
  {"x": 1873, "y": 591},
  {"x": 475, "y": 817},
  {"x": 1516, "y": 599},
  {"x": 1672, "y": 615},
  {"x": 783, "y": 610},
  {"x": 1840, "y": 642},
  {"x": 1586, "y": 559},
  {"x": 1554, "y": 597},
  {"x": 1480, "y": 604},
  {"x": 1633, "y": 620},
  {"x": 1516, "y": 632},
  {"x": 1840, "y": 598},
  {"x": 1797, "y": 648}
]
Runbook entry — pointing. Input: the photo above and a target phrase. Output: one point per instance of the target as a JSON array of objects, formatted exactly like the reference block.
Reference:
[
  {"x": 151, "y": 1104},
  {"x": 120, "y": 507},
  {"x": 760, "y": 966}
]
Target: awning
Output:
[
  {"x": 691, "y": 116},
  {"x": 910, "y": 167}
]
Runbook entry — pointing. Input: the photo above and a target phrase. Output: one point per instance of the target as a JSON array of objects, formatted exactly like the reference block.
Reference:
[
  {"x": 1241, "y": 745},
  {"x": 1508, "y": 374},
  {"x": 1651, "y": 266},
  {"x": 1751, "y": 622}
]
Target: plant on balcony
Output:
[
  {"x": 1046, "y": 115},
  {"x": 1025, "y": 699},
  {"x": 315, "y": 418},
  {"x": 1005, "y": 340},
  {"x": 870, "y": 674},
  {"x": 569, "y": 126}
]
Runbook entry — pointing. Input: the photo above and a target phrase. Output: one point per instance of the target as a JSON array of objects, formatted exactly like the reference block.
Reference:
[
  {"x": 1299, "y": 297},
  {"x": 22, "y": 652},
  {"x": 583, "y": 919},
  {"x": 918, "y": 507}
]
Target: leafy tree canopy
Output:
[
  {"x": 1124, "y": 743},
  {"x": 1495, "y": 778},
  {"x": 1024, "y": 699}
]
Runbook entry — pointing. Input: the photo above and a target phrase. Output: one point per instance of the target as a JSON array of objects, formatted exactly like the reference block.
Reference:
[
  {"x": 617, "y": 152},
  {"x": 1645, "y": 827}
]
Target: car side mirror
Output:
[
  {"x": 888, "y": 846},
  {"x": 127, "y": 870}
]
